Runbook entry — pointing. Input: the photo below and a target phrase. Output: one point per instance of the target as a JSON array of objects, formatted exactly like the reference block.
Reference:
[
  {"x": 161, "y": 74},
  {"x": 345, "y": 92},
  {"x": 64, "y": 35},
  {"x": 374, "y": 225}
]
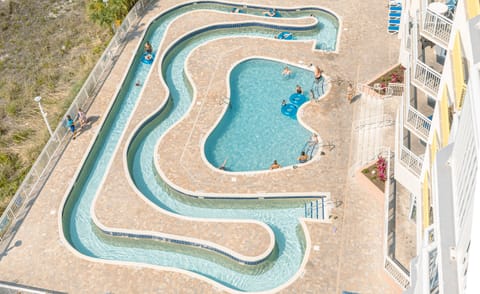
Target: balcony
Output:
[
  {"x": 418, "y": 110},
  {"x": 427, "y": 61},
  {"x": 408, "y": 164},
  {"x": 426, "y": 78},
  {"x": 436, "y": 28},
  {"x": 411, "y": 161},
  {"x": 417, "y": 123}
]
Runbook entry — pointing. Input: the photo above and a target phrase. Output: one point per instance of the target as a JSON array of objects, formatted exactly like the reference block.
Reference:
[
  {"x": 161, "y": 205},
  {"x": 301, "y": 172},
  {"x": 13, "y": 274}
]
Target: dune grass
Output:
[{"x": 47, "y": 48}]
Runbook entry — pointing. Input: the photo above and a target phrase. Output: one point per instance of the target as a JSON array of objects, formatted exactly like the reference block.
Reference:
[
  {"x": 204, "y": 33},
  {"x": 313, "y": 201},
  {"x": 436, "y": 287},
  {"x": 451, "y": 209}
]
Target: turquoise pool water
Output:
[
  {"x": 254, "y": 131},
  {"x": 86, "y": 238}
]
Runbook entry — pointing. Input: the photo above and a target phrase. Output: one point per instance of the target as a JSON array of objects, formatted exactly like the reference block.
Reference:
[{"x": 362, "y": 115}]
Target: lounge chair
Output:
[
  {"x": 393, "y": 29},
  {"x": 394, "y": 21}
]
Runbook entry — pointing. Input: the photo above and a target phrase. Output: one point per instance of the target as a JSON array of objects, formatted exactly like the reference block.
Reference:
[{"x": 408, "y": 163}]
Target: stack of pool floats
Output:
[
  {"x": 296, "y": 100},
  {"x": 394, "y": 14}
]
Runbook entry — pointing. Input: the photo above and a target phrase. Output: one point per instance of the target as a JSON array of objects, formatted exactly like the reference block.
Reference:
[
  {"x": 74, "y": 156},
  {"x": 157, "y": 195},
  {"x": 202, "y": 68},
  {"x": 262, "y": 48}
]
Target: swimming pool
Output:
[
  {"x": 83, "y": 235},
  {"x": 254, "y": 131}
]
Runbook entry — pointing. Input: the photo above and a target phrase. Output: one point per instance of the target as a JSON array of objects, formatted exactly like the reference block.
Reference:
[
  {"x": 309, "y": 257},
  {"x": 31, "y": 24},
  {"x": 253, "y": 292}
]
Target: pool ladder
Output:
[
  {"x": 315, "y": 209},
  {"x": 309, "y": 148}
]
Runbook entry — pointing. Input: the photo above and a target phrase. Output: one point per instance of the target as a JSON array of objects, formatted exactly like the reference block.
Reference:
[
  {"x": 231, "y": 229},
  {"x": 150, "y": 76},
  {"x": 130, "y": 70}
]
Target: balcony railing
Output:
[
  {"x": 426, "y": 78},
  {"x": 418, "y": 123},
  {"x": 398, "y": 274},
  {"x": 376, "y": 91},
  {"x": 396, "y": 89},
  {"x": 437, "y": 28},
  {"x": 410, "y": 160}
]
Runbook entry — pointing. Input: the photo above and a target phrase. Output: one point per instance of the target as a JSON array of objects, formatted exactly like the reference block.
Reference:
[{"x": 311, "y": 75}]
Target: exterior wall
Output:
[
  {"x": 465, "y": 168},
  {"x": 456, "y": 128}
]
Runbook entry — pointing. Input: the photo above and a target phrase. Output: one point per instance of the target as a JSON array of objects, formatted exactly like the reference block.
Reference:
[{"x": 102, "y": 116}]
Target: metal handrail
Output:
[{"x": 51, "y": 152}]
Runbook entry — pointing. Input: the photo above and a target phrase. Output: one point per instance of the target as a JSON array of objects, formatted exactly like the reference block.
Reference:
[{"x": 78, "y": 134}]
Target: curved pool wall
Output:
[
  {"x": 82, "y": 234},
  {"x": 327, "y": 31},
  {"x": 253, "y": 131}
]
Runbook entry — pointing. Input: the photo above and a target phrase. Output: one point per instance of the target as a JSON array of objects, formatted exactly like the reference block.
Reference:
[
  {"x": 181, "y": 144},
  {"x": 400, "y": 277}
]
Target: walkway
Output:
[{"x": 344, "y": 255}]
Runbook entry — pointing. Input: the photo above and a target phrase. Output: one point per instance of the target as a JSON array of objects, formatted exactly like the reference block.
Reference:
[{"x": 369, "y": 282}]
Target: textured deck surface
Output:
[{"x": 346, "y": 254}]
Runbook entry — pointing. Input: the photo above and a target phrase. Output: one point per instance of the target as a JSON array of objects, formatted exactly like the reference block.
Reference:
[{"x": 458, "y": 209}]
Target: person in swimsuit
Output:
[
  {"x": 303, "y": 157},
  {"x": 271, "y": 12},
  {"x": 148, "y": 47},
  {"x": 317, "y": 72},
  {"x": 299, "y": 89},
  {"x": 286, "y": 72},
  {"x": 275, "y": 165}
]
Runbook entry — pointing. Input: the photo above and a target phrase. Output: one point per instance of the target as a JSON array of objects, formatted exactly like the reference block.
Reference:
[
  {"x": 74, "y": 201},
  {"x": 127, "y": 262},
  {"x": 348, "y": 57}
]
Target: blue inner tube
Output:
[
  {"x": 289, "y": 110},
  {"x": 285, "y": 36},
  {"x": 298, "y": 99},
  {"x": 148, "y": 58}
]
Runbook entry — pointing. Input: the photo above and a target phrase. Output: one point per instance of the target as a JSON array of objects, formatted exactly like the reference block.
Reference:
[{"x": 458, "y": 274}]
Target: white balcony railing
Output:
[
  {"x": 426, "y": 78},
  {"x": 398, "y": 274},
  {"x": 418, "y": 123},
  {"x": 410, "y": 160},
  {"x": 396, "y": 89},
  {"x": 376, "y": 91},
  {"x": 437, "y": 28}
]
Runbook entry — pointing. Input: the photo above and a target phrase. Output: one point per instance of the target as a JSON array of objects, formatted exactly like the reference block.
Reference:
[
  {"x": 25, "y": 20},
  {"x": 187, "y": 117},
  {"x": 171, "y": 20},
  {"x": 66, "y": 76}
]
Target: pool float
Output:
[
  {"x": 272, "y": 13},
  {"x": 298, "y": 99},
  {"x": 147, "y": 58},
  {"x": 285, "y": 36},
  {"x": 237, "y": 10},
  {"x": 289, "y": 110}
]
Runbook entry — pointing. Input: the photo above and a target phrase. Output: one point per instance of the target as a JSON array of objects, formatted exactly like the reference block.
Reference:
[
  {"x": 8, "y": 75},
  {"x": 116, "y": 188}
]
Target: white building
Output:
[{"x": 438, "y": 142}]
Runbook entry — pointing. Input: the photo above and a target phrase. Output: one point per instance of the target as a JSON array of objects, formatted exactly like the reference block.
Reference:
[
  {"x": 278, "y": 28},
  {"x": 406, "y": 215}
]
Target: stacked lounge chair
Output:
[{"x": 394, "y": 14}]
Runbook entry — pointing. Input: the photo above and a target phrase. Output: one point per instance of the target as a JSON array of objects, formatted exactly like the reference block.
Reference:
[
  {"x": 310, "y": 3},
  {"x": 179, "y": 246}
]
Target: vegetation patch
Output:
[
  {"x": 47, "y": 48},
  {"x": 395, "y": 75},
  {"x": 377, "y": 173}
]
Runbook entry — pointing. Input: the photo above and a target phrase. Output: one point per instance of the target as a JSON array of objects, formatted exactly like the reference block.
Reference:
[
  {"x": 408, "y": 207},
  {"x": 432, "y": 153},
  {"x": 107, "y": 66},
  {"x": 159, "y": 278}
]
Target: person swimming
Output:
[
  {"x": 148, "y": 47},
  {"x": 303, "y": 157},
  {"x": 286, "y": 71},
  {"x": 271, "y": 12},
  {"x": 299, "y": 89},
  {"x": 222, "y": 166},
  {"x": 275, "y": 165}
]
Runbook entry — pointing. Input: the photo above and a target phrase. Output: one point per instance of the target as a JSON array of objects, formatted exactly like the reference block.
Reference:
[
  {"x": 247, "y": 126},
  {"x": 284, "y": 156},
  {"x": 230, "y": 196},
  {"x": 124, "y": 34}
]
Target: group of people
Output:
[
  {"x": 81, "y": 117},
  {"x": 317, "y": 72},
  {"x": 312, "y": 142}
]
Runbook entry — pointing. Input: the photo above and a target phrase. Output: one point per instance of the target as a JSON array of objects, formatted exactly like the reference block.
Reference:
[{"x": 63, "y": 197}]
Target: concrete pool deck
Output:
[{"x": 349, "y": 255}]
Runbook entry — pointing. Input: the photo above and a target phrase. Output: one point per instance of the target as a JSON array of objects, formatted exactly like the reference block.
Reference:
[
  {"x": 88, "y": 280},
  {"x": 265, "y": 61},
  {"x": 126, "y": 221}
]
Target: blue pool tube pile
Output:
[{"x": 296, "y": 100}]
